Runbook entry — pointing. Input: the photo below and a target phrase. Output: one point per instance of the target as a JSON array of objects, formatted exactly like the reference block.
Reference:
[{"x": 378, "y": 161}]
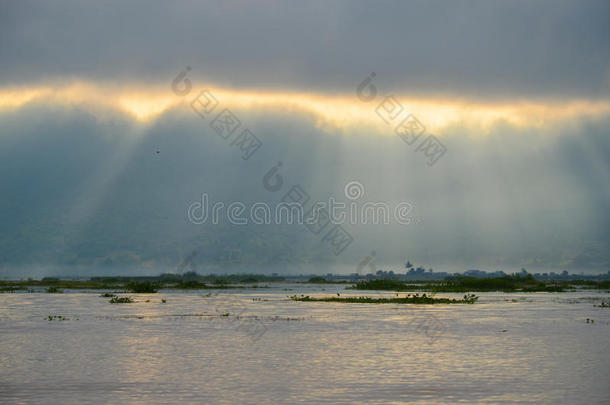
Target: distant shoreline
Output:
[{"x": 194, "y": 281}]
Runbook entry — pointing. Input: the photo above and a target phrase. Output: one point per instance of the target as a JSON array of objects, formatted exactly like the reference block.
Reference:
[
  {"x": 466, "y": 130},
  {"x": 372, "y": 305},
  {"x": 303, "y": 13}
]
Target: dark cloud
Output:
[{"x": 466, "y": 48}]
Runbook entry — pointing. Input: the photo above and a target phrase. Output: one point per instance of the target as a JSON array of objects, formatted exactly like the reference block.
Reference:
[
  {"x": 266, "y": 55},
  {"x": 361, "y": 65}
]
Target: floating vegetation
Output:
[
  {"x": 63, "y": 284},
  {"x": 57, "y": 318},
  {"x": 604, "y": 304},
  {"x": 386, "y": 285},
  {"x": 142, "y": 284},
  {"x": 408, "y": 299},
  {"x": 10, "y": 289},
  {"x": 198, "y": 285},
  {"x": 121, "y": 300},
  {"x": 591, "y": 284},
  {"x": 285, "y": 318},
  {"x": 508, "y": 283},
  {"x": 107, "y": 295},
  {"x": 590, "y": 320},
  {"x": 144, "y": 287},
  {"x": 191, "y": 285},
  {"x": 192, "y": 280},
  {"x": 163, "y": 300}
]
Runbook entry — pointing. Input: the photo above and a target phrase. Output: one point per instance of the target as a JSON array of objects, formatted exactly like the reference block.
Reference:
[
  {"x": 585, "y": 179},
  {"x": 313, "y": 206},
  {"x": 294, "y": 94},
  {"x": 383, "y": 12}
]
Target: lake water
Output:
[{"x": 256, "y": 346}]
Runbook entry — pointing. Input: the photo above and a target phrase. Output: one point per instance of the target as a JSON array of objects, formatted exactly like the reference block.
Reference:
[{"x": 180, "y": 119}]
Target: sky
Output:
[{"x": 488, "y": 119}]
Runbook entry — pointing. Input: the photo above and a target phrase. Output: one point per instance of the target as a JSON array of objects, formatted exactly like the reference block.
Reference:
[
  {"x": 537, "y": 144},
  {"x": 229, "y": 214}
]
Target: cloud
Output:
[
  {"x": 349, "y": 113},
  {"x": 481, "y": 49}
]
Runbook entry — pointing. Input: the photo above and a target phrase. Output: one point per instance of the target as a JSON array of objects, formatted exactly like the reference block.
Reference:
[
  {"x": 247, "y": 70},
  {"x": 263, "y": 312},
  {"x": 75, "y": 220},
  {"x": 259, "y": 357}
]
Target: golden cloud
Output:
[{"x": 342, "y": 112}]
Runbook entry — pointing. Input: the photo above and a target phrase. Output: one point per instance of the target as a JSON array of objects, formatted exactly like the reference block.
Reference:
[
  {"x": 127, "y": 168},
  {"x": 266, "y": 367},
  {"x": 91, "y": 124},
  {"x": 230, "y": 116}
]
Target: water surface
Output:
[{"x": 256, "y": 346}]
